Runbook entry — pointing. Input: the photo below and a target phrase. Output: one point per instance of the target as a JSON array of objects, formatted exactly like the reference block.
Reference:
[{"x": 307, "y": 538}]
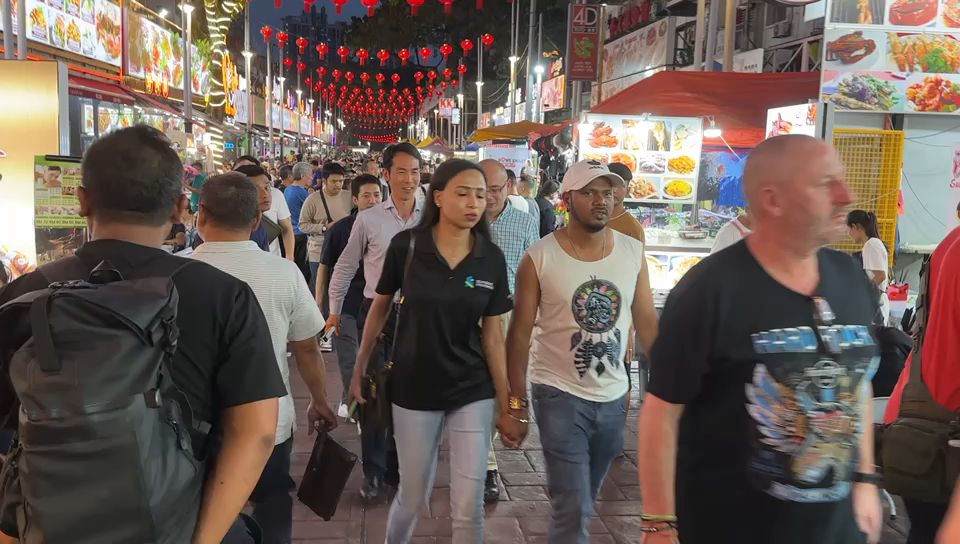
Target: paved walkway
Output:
[{"x": 520, "y": 517}]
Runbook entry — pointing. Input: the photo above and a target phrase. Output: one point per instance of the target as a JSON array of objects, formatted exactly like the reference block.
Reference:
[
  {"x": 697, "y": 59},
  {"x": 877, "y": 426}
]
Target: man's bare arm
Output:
[
  {"x": 311, "y": 366},
  {"x": 248, "y": 435},
  {"x": 657, "y": 454},
  {"x": 526, "y": 302},
  {"x": 644, "y": 313},
  {"x": 321, "y": 286},
  {"x": 286, "y": 229}
]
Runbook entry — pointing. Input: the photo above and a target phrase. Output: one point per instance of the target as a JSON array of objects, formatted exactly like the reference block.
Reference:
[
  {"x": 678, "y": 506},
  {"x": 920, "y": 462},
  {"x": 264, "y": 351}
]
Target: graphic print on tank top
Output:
[
  {"x": 806, "y": 405},
  {"x": 596, "y": 307}
]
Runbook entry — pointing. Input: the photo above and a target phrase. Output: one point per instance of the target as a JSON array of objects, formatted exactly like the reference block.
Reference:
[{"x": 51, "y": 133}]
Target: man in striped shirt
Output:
[
  {"x": 229, "y": 209},
  {"x": 513, "y": 231}
]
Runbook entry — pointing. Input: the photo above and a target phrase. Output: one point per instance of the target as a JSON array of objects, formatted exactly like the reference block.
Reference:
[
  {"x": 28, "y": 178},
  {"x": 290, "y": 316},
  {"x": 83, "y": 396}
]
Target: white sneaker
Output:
[
  {"x": 342, "y": 411},
  {"x": 326, "y": 347}
]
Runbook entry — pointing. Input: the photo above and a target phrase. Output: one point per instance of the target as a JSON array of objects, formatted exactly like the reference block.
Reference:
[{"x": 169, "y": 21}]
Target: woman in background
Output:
[
  {"x": 545, "y": 201},
  {"x": 863, "y": 230}
]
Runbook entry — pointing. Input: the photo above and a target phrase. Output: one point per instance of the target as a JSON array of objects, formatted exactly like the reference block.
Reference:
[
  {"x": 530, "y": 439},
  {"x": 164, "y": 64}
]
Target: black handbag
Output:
[
  {"x": 326, "y": 476},
  {"x": 377, "y": 383}
]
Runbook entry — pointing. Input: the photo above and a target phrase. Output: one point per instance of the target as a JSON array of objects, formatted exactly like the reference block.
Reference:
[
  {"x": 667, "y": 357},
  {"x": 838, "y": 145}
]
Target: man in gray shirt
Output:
[{"x": 369, "y": 239}]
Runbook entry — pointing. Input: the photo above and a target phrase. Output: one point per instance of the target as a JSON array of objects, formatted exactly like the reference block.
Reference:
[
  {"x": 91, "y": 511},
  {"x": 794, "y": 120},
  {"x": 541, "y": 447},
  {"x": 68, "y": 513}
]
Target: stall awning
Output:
[
  {"x": 435, "y": 144},
  {"x": 515, "y": 131},
  {"x": 157, "y": 103},
  {"x": 735, "y": 100},
  {"x": 98, "y": 90}
]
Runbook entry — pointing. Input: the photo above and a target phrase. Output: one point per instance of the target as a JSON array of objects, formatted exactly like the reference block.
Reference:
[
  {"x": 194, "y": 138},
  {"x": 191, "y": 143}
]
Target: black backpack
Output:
[{"x": 105, "y": 450}]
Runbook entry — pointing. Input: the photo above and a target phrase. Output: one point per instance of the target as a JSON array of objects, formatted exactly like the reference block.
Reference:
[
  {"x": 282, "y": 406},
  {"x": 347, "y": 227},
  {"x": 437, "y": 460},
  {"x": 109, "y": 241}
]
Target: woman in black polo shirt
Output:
[{"x": 449, "y": 369}]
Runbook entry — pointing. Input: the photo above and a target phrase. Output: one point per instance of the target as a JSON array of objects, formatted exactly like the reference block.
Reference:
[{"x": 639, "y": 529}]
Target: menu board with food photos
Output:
[
  {"x": 55, "y": 183},
  {"x": 662, "y": 152},
  {"x": 666, "y": 268},
  {"x": 892, "y": 56},
  {"x": 155, "y": 53},
  {"x": 90, "y": 28}
]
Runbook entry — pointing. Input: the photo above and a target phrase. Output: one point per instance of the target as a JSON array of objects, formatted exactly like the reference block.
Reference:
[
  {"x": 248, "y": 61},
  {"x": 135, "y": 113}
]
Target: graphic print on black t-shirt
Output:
[
  {"x": 806, "y": 405},
  {"x": 596, "y": 308}
]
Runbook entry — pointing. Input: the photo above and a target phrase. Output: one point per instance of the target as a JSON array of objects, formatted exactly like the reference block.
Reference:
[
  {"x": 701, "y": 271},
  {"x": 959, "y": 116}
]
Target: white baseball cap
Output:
[{"x": 583, "y": 173}]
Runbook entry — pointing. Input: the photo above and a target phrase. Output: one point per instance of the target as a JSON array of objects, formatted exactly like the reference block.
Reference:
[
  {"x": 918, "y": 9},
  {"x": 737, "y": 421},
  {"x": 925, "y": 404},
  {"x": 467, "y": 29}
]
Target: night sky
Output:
[{"x": 264, "y": 13}]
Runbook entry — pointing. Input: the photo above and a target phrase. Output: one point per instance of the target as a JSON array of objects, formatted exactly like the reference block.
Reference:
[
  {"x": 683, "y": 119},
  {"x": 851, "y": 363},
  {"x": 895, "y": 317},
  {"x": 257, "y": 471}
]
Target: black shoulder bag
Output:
[
  {"x": 377, "y": 384},
  {"x": 916, "y": 454}
]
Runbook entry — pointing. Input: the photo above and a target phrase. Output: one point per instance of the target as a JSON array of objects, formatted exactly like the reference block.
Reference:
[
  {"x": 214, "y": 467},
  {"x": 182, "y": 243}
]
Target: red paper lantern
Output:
[
  {"x": 404, "y": 55},
  {"x": 322, "y": 50},
  {"x": 308, "y": 81},
  {"x": 466, "y": 44},
  {"x": 455, "y": 83},
  {"x": 445, "y": 50},
  {"x": 418, "y": 76},
  {"x": 462, "y": 68},
  {"x": 336, "y": 76},
  {"x": 447, "y": 73},
  {"x": 383, "y": 55},
  {"x": 266, "y": 32},
  {"x": 288, "y": 62},
  {"x": 480, "y": 5},
  {"x": 282, "y": 39},
  {"x": 321, "y": 71},
  {"x": 443, "y": 85},
  {"x": 302, "y": 44},
  {"x": 425, "y": 52},
  {"x": 349, "y": 77},
  {"x": 395, "y": 78},
  {"x": 363, "y": 55},
  {"x": 414, "y": 6},
  {"x": 431, "y": 75},
  {"x": 339, "y": 5},
  {"x": 364, "y": 77},
  {"x": 380, "y": 78},
  {"x": 370, "y": 4},
  {"x": 344, "y": 52},
  {"x": 487, "y": 40},
  {"x": 447, "y": 6}
]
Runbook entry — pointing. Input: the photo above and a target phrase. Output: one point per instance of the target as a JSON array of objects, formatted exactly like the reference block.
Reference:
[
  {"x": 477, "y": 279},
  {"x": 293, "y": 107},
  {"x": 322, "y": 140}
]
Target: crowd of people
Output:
[{"x": 458, "y": 305}]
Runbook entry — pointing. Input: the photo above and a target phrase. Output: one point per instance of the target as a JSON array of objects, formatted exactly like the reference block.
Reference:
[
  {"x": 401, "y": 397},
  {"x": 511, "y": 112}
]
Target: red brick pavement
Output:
[{"x": 520, "y": 517}]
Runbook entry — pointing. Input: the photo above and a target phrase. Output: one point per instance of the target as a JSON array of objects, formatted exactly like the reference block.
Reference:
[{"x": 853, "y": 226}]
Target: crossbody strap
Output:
[
  {"x": 406, "y": 273},
  {"x": 326, "y": 208}
]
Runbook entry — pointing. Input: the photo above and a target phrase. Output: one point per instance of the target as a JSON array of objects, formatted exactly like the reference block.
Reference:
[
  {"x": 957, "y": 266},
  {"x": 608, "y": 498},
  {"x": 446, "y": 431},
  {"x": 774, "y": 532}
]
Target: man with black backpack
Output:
[{"x": 122, "y": 367}]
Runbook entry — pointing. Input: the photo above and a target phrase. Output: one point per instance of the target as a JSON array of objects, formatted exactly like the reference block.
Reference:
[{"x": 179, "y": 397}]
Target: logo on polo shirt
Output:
[
  {"x": 485, "y": 285},
  {"x": 470, "y": 282}
]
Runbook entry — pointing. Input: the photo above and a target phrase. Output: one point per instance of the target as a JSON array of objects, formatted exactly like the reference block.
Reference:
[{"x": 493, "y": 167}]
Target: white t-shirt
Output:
[
  {"x": 875, "y": 257},
  {"x": 292, "y": 314},
  {"x": 729, "y": 234},
  {"x": 277, "y": 212},
  {"x": 587, "y": 306}
]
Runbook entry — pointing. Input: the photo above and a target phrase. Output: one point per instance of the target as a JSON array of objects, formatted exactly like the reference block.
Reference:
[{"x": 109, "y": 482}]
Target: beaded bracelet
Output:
[{"x": 665, "y": 529}]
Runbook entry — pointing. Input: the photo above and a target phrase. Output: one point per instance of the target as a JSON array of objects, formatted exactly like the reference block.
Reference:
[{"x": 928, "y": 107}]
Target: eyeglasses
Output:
[{"x": 495, "y": 189}]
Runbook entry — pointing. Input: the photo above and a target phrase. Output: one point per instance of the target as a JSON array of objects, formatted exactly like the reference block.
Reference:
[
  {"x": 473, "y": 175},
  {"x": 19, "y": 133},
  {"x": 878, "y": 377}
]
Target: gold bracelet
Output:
[
  {"x": 659, "y": 517},
  {"x": 515, "y": 418}
]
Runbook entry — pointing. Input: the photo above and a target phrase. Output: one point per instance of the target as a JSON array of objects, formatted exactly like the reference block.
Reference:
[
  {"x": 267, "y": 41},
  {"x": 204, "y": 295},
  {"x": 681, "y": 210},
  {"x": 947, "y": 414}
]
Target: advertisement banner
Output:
[
  {"x": 553, "y": 93},
  {"x": 89, "y": 28},
  {"x": 799, "y": 119},
  {"x": 155, "y": 55},
  {"x": 636, "y": 56},
  {"x": 583, "y": 42},
  {"x": 662, "y": 152},
  {"x": 59, "y": 228},
  {"x": 446, "y": 107},
  {"x": 510, "y": 156},
  {"x": 899, "y": 56}
]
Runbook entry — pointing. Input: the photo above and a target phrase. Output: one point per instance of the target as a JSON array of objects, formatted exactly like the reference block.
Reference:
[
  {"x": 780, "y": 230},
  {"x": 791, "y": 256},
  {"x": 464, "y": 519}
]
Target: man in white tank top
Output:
[{"x": 578, "y": 292}]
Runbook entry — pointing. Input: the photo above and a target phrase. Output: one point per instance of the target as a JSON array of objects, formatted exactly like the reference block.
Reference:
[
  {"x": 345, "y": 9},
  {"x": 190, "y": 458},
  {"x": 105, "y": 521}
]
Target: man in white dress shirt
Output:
[{"x": 229, "y": 209}]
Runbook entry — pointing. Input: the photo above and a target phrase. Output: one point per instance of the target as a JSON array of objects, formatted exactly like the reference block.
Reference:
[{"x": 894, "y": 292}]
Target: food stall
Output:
[{"x": 686, "y": 185}]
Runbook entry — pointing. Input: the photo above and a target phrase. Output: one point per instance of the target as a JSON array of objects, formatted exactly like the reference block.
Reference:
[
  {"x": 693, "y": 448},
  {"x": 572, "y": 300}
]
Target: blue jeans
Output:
[
  {"x": 580, "y": 439},
  {"x": 418, "y": 434},
  {"x": 346, "y": 344}
]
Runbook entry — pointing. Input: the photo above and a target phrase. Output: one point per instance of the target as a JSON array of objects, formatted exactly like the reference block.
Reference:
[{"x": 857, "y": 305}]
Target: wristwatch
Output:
[
  {"x": 517, "y": 403},
  {"x": 874, "y": 478}
]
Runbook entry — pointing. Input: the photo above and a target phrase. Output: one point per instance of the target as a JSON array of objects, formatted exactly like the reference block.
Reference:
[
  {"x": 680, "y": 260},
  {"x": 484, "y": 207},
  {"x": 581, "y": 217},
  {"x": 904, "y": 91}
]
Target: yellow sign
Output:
[{"x": 231, "y": 84}]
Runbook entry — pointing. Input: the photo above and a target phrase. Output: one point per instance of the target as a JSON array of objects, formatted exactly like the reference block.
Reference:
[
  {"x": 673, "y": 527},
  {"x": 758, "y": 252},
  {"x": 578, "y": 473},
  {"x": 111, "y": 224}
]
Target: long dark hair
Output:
[
  {"x": 865, "y": 220},
  {"x": 441, "y": 177}
]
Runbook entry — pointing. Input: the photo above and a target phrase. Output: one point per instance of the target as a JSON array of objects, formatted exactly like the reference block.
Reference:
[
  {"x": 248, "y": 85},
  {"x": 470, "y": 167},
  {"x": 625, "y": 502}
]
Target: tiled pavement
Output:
[{"x": 520, "y": 517}]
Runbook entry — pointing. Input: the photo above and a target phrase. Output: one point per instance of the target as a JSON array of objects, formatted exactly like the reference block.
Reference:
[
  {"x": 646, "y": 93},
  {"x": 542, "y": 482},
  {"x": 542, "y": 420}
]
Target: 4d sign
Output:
[{"x": 583, "y": 42}]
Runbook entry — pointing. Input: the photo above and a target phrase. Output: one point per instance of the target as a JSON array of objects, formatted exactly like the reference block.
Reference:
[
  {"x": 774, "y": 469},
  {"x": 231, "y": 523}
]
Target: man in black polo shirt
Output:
[
  {"x": 366, "y": 194},
  {"x": 224, "y": 363}
]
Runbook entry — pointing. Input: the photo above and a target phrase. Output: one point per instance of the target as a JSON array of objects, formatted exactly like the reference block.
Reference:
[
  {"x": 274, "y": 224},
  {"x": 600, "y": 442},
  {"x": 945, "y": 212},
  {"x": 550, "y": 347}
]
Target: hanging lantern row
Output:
[
  {"x": 383, "y": 55},
  {"x": 415, "y": 5}
]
